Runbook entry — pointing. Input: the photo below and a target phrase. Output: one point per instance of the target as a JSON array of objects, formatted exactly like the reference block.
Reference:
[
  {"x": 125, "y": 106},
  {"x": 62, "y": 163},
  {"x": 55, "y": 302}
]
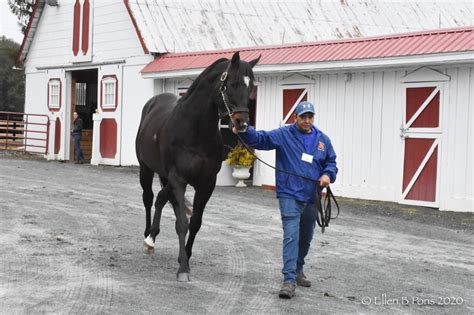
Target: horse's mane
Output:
[{"x": 201, "y": 76}]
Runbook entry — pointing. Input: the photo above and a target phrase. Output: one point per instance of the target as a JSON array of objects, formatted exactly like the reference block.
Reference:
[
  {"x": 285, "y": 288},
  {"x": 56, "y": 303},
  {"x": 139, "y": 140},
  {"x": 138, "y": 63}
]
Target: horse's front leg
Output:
[
  {"x": 177, "y": 190},
  {"x": 201, "y": 197}
]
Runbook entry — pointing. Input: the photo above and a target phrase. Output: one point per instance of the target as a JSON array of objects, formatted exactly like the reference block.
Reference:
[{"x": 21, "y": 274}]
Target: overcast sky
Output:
[{"x": 8, "y": 23}]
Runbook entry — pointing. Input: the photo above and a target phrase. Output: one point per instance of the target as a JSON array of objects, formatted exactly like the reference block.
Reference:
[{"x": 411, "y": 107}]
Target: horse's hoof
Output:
[
  {"x": 183, "y": 277},
  {"x": 149, "y": 250},
  {"x": 149, "y": 245}
]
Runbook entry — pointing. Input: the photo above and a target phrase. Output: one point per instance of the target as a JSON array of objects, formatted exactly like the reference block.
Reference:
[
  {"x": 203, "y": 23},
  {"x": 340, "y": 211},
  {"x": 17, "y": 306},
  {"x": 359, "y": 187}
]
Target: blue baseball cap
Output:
[{"x": 304, "y": 107}]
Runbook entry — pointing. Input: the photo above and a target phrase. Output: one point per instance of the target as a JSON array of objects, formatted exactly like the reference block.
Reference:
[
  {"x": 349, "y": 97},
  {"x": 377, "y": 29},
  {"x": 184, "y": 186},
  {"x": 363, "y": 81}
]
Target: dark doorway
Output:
[{"x": 84, "y": 102}]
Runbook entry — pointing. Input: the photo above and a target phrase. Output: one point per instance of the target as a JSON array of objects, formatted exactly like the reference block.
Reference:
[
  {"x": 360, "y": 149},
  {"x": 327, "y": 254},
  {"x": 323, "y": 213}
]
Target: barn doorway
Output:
[
  {"x": 84, "y": 102},
  {"x": 421, "y": 134}
]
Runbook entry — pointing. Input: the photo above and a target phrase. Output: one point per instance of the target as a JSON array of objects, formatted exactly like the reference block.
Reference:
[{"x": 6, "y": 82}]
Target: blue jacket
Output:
[{"x": 289, "y": 151}]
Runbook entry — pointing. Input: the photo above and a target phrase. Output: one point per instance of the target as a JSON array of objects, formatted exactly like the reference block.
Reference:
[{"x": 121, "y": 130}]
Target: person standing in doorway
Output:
[
  {"x": 76, "y": 133},
  {"x": 303, "y": 149}
]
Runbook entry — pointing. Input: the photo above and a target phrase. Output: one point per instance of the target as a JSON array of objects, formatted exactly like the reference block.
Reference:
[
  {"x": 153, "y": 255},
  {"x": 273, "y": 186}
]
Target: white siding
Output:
[
  {"x": 114, "y": 34},
  {"x": 135, "y": 94},
  {"x": 456, "y": 188},
  {"x": 52, "y": 43},
  {"x": 362, "y": 114},
  {"x": 34, "y": 97}
]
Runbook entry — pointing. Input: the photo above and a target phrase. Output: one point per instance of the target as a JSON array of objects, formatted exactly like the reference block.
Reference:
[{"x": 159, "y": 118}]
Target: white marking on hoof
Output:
[
  {"x": 183, "y": 277},
  {"x": 149, "y": 242}
]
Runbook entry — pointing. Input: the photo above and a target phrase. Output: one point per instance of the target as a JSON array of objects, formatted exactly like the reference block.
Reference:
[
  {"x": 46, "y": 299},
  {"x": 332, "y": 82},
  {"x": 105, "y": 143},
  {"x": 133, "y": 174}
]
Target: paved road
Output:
[{"x": 71, "y": 242}]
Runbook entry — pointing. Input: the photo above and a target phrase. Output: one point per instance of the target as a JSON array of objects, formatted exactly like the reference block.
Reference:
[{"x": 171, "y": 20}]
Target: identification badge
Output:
[{"x": 307, "y": 158}]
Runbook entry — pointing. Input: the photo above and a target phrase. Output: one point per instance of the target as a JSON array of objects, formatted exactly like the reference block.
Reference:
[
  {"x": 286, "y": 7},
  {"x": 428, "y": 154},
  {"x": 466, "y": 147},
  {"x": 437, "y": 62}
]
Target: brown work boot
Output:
[
  {"x": 301, "y": 280},
  {"x": 287, "y": 291}
]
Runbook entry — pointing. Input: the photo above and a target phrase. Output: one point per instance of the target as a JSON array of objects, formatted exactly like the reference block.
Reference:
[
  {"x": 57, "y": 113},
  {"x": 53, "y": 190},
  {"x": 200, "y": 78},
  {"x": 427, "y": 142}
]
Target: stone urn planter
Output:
[
  {"x": 241, "y": 160},
  {"x": 224, "y": 177},
  {"x": 241, "y": 173}
]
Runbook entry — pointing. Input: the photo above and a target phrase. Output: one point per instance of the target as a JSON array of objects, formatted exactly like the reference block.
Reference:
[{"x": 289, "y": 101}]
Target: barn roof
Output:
[
  {"x": 30, "y": 31},
  {"x": 401, "y": 45},
  {"x": 198, "y": 25},
  {"x": 164, "y": 26}
]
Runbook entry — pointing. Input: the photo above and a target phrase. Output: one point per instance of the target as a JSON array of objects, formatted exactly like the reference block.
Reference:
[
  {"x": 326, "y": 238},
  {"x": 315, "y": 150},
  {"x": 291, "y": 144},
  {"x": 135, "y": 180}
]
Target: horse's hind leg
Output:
[
  {"x": 146, "y": 181},
  {"x": 161, "y": 199}
]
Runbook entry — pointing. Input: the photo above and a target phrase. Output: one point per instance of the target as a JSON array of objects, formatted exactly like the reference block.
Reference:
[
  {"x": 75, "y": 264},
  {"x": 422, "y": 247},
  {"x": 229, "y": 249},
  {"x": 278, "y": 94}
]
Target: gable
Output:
[
  {"x": 55, "y": 33},
  {"x": 424, "y": 74}
]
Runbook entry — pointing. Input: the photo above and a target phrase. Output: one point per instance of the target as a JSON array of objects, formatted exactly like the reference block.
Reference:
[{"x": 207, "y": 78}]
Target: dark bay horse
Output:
[{"x": 181, "y": 142}]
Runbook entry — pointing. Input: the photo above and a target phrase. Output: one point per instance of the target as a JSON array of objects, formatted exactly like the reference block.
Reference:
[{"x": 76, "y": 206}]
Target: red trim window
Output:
[
  {"x": 109, "y": 92},
  {"x": 54, "y": 94}
]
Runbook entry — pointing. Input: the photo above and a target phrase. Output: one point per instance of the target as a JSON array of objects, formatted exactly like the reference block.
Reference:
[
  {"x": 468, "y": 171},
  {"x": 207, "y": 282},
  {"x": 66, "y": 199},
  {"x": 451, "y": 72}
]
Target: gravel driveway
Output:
[{"x": 71, "y": 241}]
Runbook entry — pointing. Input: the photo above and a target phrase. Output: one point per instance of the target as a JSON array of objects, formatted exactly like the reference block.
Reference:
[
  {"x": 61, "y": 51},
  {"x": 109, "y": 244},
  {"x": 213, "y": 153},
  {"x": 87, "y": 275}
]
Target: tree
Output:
[
  {"x": 12, "y": 82},
  {"x": 23, "y": 10}
]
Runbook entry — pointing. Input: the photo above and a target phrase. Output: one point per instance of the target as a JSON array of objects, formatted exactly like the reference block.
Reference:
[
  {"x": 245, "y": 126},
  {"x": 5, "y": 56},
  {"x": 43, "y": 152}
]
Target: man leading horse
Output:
[{"x": 302, "y": 149}]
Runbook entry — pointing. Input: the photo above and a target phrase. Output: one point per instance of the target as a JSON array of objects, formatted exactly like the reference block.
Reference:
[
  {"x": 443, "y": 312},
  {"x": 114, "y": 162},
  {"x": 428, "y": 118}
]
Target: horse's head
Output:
[{"x": 236, "y": 84}]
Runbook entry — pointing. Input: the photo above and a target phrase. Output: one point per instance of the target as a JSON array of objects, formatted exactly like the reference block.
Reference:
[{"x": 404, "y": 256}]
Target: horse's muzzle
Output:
[
  {"x": 240, "y": 120},
  {"x": 243, "y": 127}
]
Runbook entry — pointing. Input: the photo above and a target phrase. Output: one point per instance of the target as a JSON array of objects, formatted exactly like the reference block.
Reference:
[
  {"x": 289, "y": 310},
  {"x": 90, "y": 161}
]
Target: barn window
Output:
[
  {"x": 109, "y": 92},
  {"x": 81, "y": 93},
  {"x": 54, "y": 94}
]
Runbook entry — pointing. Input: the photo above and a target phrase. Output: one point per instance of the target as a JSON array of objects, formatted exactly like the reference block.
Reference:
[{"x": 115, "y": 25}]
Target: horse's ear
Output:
[
  {"x": 235, "y": 61},
  {"x": 252, "y": 63}
]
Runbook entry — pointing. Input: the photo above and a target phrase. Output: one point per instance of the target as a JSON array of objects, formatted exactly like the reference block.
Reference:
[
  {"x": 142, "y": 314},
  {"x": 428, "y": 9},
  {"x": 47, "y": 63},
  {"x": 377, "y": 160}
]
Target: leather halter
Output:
[{"x": 229, "y": 108}]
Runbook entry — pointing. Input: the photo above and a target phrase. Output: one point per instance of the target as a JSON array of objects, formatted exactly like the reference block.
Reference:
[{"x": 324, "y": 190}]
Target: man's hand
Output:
[
  {"x": 234, "y": 130},
  {"x": 324, "y": 181}
]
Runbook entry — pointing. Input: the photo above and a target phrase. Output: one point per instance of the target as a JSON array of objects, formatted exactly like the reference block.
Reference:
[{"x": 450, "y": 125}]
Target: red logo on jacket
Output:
[{"x": 321, "y": 146}]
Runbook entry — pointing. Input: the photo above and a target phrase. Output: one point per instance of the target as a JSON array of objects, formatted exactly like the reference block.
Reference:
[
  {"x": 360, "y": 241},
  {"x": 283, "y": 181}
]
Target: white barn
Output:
[
  {"x": 105, "y": 59},
  {"x": 398, "y": 108}
]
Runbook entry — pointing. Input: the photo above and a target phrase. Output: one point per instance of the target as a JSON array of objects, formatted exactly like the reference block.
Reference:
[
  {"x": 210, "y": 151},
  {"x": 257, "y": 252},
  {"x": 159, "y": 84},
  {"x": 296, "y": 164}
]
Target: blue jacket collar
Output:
[{"x": 294, "y": 130}]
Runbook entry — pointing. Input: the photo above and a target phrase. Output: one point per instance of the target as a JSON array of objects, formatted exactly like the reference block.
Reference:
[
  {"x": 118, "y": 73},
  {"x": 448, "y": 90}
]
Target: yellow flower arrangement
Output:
[{"x": 239, "y": 156}]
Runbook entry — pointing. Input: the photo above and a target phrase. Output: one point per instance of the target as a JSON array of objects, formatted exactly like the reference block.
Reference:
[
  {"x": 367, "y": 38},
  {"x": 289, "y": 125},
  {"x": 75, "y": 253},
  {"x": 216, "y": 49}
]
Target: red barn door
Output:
[
  {"x": 421, "y": 133},
  {"x": 291, "y": 98}
]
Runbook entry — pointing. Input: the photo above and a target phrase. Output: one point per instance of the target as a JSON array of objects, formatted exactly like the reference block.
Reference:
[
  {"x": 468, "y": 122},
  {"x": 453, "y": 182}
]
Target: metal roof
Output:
[
  {"x": 194, "y": 25},
  {"x": 197, "y": 25},
  {"x": 401, "y": 45}
]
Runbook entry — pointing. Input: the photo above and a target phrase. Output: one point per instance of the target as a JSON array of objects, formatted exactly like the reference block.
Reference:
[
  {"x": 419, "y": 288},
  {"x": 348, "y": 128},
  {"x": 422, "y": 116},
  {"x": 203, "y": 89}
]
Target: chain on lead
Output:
[{"x": 222, "y": 90}]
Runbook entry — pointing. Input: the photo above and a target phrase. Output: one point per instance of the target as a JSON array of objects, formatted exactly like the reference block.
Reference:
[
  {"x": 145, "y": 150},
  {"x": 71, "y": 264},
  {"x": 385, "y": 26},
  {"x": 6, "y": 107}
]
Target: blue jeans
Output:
[
  {"x": 298, "y": 220},
  {"x": 77, "y": 143}
]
